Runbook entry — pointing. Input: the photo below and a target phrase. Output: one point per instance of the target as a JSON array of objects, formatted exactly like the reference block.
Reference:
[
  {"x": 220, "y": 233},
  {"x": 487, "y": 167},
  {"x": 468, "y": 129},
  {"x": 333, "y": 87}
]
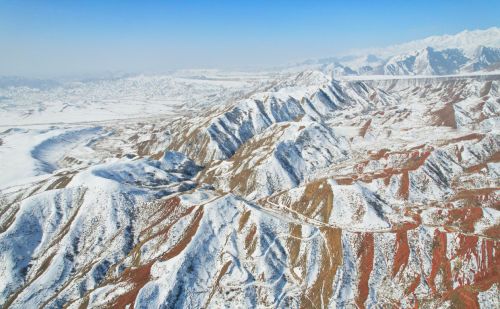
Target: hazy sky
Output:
[{"x": 46, "y": 38}]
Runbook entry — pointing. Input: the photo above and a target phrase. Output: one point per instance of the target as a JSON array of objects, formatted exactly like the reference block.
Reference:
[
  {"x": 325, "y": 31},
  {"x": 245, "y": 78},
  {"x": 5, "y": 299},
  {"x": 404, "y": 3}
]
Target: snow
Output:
[
  {"x": 122, "y": 98},
  {"x": 248, "y": 189},
  {"x": 468, "y": 40},
  {"x": 353, "y": 210},
  {"x": 27, "y": 153},
  {"x": 462, "y": 53},
  {"x": 103, "y": 196}
]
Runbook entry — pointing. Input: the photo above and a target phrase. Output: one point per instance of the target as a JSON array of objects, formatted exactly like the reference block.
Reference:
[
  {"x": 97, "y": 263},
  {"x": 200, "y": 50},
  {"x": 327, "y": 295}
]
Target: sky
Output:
[{"x": 54, "y": 38}]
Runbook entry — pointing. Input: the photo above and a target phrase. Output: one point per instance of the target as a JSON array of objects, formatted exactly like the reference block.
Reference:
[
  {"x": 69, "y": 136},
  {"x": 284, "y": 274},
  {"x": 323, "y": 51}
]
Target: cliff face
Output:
[{"x": 310, "y": 194}]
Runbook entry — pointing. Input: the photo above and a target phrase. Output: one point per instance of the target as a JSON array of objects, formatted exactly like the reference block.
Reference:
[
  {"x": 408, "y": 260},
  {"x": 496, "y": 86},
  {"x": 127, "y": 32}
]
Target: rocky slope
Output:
[{"x": 308, "y": 193}]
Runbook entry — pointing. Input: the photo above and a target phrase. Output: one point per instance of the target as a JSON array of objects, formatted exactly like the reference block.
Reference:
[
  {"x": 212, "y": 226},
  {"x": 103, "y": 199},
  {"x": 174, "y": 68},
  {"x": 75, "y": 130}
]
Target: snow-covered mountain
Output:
[
  {"x": 465, "y": 52},
  {"x": 467, "y": 40},
  {"x": 443, "y": 62},
  {"x": 211, "y": 189},
  {"x": 303, "y": 192}
]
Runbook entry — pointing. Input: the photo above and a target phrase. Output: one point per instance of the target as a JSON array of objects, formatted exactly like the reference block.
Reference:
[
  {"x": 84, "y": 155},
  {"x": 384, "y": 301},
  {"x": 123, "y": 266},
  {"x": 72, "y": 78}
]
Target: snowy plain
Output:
[{"x": 41, "y": 125}]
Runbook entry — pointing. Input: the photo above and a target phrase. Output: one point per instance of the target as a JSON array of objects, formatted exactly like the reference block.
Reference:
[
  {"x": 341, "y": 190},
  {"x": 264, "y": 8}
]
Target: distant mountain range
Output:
[{"x": 465, "y": 52}]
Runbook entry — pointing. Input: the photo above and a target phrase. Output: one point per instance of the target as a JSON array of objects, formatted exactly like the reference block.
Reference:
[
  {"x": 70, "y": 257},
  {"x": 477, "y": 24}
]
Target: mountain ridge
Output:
[
  {"x": 465, "y": 52},
  {"x": 283, "y": 190}
]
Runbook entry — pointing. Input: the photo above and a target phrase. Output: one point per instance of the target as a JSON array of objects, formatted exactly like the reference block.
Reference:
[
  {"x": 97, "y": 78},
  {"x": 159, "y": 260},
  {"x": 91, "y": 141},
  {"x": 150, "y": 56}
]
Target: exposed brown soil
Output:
[
  {"x": 379, "y": 154},
  {"x": 445, "y": 116},
  {"x": 158, "y": 155},
  {"x": 464, "y": 297},
  {"x": 144, "y": 147},
  {"x": 476, "y": 168},
  {"x": 165, "y": 208},
  {"x": 468, "y": 137},
  {"x": 139, "y": 274},
  {"x": 331, "y": 259},
  {"x": 8, "y": 216},
  {"x": 404, "y": 189},
  {"x": 250, "y": 236},
  {"x": 413, "y": 286},
  {"x": 366, "y": 255},
  {"x": 188, "y": 235},
  {"x": 317, "y": 198},
  {"x": 478, "y": 197},
  {"x": 364, "y": 128},
  {"x": 493, "y": 232},
  {"x": 193, "y": 143},
  {"x": 402, "y": 252},
  {"x": 440, "y": 264},
  {"x": 293, "y": 243},
  {"x": 138, "y": 277},
  {"x": 216, "y": 286},
  {"x": 243, "y": 219},
  {"x": 488, "y": 260},
  {"x": 489, "y": 271},
  {"x": 44, "y": 266},
  {"x": 467, "y": 246},
  {"x": 410, "y": 160},
  {"x": 464, "y": 218},
  {"x": 60, "y": 182}
]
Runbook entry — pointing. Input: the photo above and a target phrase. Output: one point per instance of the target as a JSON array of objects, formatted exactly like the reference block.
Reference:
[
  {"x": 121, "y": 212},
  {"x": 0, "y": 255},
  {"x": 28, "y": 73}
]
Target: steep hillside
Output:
[{"x": 305, "y": 193}]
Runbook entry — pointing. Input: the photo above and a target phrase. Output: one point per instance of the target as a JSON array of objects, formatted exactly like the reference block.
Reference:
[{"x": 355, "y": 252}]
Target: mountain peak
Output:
[{"x": 467, "y": 40}]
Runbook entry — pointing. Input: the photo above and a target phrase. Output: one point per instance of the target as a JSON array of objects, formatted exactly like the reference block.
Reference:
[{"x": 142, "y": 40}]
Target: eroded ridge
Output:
[{"x": 310, "y": 193}]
